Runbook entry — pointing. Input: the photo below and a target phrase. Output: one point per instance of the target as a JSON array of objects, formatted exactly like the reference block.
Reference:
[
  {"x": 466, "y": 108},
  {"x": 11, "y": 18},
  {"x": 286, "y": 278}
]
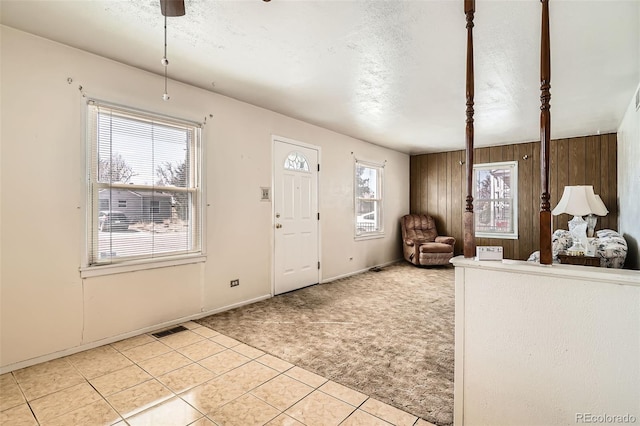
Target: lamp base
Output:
[
  {"x": 577, "y": 249},
  {"x": 578, "y": 229},
  {"x": 592, "y": 219}
]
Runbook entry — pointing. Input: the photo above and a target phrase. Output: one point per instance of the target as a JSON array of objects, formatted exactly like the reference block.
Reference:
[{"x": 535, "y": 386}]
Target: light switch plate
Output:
[{"x": 265, "y": 193}]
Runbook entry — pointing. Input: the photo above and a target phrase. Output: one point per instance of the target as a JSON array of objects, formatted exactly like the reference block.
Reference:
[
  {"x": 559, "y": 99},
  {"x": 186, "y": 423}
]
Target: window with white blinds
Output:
[
  {"x": 144, "y": 186},
  {"x": 368, "y": 200}
]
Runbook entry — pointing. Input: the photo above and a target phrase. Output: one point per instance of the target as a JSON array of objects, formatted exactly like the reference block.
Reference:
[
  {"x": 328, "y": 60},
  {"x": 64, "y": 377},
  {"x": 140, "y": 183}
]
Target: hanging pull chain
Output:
[{"x": 165, "y": 61}]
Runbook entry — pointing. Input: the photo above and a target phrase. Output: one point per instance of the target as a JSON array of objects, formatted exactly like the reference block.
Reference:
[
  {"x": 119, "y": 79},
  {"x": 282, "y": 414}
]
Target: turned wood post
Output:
[
  {"x": 546, "y": 256},
  {"x": 469, "y": 229}
]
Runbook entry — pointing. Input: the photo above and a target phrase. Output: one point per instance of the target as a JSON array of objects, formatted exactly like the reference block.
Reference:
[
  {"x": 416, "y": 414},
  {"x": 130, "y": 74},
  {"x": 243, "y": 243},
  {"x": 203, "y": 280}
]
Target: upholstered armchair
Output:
[{"x": 420, "y": 241}]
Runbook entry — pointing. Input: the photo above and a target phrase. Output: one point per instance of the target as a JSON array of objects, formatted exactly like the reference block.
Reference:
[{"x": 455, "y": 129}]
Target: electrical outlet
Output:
[{"x": 235, "y": 283}]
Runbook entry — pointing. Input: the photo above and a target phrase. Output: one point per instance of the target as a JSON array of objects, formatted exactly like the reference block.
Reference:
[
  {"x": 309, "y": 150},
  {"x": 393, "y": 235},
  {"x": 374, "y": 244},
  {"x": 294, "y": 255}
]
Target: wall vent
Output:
[{"x": 169, "y": 331}]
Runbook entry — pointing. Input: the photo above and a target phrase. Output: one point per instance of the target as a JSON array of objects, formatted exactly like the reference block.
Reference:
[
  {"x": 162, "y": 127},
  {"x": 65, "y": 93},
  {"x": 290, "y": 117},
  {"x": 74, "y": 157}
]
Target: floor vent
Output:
[{"x": 169, "y": 332}]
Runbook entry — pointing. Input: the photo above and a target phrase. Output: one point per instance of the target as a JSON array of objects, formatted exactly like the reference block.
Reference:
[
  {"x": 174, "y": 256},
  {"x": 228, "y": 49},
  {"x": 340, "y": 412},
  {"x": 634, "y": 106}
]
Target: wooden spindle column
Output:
[
  {"x": 469, "y": 229},
  {"x": 546, "y": 256}
]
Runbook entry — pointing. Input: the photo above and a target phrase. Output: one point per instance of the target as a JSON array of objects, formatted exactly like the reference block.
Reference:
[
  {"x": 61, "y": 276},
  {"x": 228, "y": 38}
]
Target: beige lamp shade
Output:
[
  {"x": 580, "y": 201},
  {"x": 602, "y": 206}
]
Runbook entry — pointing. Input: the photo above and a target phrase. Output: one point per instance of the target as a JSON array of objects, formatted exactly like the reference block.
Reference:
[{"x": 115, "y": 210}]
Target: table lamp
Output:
[{"x": 580, "y": 201}]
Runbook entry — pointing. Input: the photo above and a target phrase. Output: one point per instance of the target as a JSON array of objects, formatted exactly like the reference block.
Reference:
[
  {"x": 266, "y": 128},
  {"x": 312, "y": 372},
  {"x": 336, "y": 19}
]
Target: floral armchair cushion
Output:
[{"x": 611, "y": 247}]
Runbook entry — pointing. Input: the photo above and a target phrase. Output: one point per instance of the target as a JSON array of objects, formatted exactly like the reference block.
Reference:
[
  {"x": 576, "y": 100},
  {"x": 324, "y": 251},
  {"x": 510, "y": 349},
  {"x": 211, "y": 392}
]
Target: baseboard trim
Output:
[
  {"x": 350, "y": 274},
  {"x": 232, "y": 306},
  {"x": 157, "y": 327}
]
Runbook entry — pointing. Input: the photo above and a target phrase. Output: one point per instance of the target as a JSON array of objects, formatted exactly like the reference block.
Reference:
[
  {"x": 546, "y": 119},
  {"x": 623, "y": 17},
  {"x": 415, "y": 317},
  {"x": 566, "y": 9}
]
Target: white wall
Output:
[
  {"x": 46, "y": 308},
  {"x": 629, "y": 181},
  {"x": 538, "y": 345}
]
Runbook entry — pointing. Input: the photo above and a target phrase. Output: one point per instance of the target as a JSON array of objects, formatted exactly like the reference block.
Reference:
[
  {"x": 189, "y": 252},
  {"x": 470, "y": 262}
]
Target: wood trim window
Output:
[{"x": 495, "y": 198}]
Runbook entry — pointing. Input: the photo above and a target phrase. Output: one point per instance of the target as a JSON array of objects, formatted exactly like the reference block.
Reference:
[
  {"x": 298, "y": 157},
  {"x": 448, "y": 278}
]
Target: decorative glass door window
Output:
[
  {"x": 296, "y": 161},
  {"x": 495, "y": 195}
]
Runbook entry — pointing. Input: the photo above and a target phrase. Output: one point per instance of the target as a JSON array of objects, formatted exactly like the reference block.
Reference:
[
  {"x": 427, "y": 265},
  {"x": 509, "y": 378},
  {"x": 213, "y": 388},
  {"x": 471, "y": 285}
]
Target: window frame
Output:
[
  {"x": 195, "y": 186},
  {"x": 379, "y": 200},
  {"x": 512, "y": 166}
]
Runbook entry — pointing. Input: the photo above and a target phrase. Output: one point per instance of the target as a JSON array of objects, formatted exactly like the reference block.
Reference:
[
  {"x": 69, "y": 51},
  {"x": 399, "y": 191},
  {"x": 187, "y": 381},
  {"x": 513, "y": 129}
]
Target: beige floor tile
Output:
[
  {"x": 284, "y": 420},
  {"x": 7, "y": 379},
  {"x": 97, "y": 413},
  {"x": 19, "y": 415},
  {"x": 250, "y": 375},
  {"x": 185, "y": 378},
  {"x": 191, "y": 325},
  {"x": 120, "y": 380},
  {"x": 203, "y": 422},
  {"x": 132, "y": 342},
  {"x": 64, "y": 401},
  {"x": 213, "y": 394},
  {"x": 99, "y": 361},
  {"x": 10, "y": 392},
  {"x": 361, "y": 418},
  {"x": 201, "y": 350},
  {"x": 224, "y": 361},
  {"x": 183, "y": 338},
  {"x": 225, "y": 341},
  {"x": 305, "y": 376},
  {"x": 282, "y": 392},
  {"x": 248, "y": 351},
  {"x": 344, "y": 393},
  {"x": 139, "y": 398},
  {"x": 320, "y": 409},
  {"x": 49, "y": 377},
  {"x": 422, "y": 422},
  {"x": 174, "y": 412},
  {"x": 388, "y": 413},
  {"x": 146, "y": 351},
  {"x": 164, "y": 363},
  {"x": 275, "y": 363},
  {"x": 244, "y": 411},
  {"x": 205, "y": 332}
]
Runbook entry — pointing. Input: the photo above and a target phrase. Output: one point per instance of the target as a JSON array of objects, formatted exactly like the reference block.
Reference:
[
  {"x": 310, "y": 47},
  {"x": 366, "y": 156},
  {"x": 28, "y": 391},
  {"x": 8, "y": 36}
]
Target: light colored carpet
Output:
[{"x": 387, "y": 334}]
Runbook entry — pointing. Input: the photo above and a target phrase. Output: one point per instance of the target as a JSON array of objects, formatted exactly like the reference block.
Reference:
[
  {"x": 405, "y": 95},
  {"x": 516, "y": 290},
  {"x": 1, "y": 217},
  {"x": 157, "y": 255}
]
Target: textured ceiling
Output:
[{"x": 388, "y": 72}]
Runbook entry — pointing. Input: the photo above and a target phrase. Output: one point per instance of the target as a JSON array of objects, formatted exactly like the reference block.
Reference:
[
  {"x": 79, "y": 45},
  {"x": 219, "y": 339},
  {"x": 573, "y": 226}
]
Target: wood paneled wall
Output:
[{"x": 438, "y": 186}]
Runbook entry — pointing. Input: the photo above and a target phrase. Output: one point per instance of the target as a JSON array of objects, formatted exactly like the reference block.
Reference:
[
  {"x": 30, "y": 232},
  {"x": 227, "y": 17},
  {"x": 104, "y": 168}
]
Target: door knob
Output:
[{"x": 278, "y": 226}]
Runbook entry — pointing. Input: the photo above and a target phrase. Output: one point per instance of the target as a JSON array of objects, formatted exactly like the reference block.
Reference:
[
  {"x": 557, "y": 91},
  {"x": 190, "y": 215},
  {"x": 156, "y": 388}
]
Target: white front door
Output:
[{"x": 296, "y": 221}]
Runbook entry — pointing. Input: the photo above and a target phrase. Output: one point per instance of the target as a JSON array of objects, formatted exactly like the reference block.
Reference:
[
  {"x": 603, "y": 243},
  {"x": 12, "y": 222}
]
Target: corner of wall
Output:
[{"x": 629, "y": 180}]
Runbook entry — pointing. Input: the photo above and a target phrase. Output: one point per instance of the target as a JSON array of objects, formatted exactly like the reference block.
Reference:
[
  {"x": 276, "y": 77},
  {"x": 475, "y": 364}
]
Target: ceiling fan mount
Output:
[{"x": 172, "y": 7}]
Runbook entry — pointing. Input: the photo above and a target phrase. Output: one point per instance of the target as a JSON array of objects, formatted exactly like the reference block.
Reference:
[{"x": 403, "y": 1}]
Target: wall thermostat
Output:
[{"x": 489, "y": 253}]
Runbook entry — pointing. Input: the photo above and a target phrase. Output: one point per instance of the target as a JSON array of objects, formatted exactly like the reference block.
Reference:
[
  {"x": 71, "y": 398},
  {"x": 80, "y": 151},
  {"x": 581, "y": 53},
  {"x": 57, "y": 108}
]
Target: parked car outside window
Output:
[{"x": 111, "y": 221}]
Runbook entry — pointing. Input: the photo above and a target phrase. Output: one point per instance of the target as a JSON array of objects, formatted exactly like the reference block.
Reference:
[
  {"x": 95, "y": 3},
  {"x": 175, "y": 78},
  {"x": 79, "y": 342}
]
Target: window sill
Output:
[
  {"x": 369, "y": 236},
  {"x": 496, "y": 236},
  {"x": 120, "y": 268}
]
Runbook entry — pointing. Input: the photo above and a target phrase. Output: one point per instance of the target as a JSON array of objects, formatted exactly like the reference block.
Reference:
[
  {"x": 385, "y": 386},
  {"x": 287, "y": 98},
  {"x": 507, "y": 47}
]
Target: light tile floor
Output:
[{"x": 195, "y": 377}]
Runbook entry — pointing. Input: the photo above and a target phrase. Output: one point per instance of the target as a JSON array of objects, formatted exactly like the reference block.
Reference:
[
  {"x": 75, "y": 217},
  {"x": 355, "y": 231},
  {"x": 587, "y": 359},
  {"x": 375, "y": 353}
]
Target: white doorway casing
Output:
[{"x": 296, "y": 223}]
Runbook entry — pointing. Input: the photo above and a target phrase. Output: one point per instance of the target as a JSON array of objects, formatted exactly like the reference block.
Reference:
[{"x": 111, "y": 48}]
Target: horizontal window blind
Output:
[
  {"x": 144, "y": 185},
  {"x": 368, "y": 199}
]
